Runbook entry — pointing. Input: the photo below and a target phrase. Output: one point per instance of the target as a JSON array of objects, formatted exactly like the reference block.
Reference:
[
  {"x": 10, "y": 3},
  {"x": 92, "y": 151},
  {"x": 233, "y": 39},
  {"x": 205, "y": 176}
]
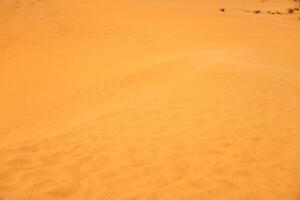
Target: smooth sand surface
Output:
[{"x": 149, "y": 100}]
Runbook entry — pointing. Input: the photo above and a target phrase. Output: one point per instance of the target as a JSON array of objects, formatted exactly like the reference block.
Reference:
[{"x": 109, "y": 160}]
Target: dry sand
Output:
[{"x": 149, "y": 99}]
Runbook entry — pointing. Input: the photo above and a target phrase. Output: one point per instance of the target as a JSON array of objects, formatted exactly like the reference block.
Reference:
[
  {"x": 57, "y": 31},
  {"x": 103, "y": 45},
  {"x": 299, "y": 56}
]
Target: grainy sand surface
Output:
[{"x": 149, "y": 100}]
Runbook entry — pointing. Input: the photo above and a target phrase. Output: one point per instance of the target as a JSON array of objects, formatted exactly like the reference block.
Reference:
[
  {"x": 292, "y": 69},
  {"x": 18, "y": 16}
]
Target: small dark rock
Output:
[
  {"x": 290, "y": 10},
  {"x": 256, "y": 11}
]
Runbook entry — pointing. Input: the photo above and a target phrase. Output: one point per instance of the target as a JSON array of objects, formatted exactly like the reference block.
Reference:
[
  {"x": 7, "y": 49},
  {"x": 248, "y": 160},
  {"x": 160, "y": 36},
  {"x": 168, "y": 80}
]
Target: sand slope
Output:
[{"x": 127, "y": 99}]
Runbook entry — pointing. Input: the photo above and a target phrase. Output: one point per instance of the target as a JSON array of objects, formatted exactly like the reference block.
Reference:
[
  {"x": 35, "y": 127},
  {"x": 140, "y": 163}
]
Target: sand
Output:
[{"x": 149, "y": 99}]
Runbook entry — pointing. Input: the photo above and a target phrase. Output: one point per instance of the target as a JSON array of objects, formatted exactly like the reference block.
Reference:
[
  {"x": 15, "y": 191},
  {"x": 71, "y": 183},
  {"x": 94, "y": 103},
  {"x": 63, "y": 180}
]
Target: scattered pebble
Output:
[
  {"x": 256, "y": 11},
  {"x": 290, "y": 10}
]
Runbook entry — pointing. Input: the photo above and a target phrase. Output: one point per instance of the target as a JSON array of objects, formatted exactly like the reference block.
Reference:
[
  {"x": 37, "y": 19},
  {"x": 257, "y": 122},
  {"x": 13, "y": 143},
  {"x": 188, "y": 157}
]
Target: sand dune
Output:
[{"x": 127, "y": 99}]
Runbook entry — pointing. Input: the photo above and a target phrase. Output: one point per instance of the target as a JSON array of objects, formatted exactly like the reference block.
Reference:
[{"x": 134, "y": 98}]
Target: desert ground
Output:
[{"x": 149, "y": 99}]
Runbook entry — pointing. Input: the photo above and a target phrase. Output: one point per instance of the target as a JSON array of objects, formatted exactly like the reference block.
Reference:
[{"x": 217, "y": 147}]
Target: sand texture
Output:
[{"x": 149, "y": 100}]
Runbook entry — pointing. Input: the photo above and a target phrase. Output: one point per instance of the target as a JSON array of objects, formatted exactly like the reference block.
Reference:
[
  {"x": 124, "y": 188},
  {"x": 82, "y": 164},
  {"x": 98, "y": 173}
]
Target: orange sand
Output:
[{"x": 149, "y": 99}]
